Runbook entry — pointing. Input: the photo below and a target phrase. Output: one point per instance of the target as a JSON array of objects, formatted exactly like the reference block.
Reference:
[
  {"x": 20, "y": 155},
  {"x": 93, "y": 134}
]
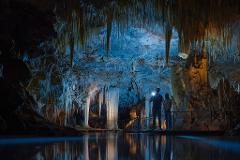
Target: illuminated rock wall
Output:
[{"x": 205, "y": 108}]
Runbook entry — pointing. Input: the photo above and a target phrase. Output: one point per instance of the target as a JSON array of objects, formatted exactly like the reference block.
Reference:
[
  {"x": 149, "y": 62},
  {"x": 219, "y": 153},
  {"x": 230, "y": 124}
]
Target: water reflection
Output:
[{"x": 114, "y": 146}]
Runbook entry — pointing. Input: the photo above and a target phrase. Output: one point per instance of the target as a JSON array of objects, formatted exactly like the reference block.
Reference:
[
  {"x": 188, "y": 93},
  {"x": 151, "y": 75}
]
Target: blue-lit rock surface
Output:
[{"x": 135, "y": 63}]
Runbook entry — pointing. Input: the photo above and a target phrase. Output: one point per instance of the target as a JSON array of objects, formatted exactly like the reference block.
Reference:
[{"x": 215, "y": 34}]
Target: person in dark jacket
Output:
[
  {"x": 157, "y": 106},
  {"x": 167, "y": 103}
]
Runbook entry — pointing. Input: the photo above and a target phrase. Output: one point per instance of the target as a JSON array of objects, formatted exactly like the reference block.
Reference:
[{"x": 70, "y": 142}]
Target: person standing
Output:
[
  {"x": 157, "y": 107},
  {"x": 167, "y": 103}
]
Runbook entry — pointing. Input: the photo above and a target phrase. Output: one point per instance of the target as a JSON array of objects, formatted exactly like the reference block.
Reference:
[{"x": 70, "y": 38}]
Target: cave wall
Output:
[
  {"x": 23, "y": 28},
  {"x": 207, "y": 108}
]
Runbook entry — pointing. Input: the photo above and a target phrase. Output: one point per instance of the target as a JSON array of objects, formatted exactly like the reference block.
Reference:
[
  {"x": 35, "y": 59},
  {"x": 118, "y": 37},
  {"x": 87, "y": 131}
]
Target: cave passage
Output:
[{"x": 103, "y": 70}]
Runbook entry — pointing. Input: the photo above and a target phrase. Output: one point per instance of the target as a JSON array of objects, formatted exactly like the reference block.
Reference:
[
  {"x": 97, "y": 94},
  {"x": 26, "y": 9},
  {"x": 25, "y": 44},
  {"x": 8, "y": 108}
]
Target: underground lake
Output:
[{"x": 113, "y": 146}]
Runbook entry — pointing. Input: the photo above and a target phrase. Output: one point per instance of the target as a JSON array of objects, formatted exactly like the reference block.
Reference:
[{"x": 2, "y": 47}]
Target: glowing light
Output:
[
  {"x": 153, "y": 93},
  {"x": 183, "y": 55},
  {"x": 133, "y": 114}
]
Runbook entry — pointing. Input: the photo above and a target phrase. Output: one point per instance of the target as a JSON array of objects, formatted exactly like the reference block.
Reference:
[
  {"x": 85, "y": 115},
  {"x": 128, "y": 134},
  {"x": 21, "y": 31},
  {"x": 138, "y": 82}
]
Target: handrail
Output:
[{"x": 173, "y": 113}]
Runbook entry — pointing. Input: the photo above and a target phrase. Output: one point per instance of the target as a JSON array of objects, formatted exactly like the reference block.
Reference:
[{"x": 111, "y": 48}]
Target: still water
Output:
[{"x": 114, "y": 146}]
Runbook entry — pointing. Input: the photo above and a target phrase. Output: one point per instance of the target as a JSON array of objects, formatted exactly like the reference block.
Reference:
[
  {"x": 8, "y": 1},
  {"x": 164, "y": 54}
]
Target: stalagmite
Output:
[
  {"x": 91, "y": 94},
  {"x": 238, "y": 88},
  {"x": 67, "y": 95},
  {"x": 86, "y": 111},
  {"x": 100, "y": 102},
  {"x": 112, "y": 100},
  {"x": 148, "y": 110}
]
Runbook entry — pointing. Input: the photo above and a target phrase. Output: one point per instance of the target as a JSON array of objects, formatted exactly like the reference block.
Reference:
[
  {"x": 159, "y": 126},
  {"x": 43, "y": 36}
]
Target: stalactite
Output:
[
  {"x": 71, "y": 48},
  {"x": 168, "y": 36},
  {"x": 109, "y": 29},
  {"x": 81, "y": 28},
  {"x": 167, "y": 29},
  {"x": 190, "y": 27}
]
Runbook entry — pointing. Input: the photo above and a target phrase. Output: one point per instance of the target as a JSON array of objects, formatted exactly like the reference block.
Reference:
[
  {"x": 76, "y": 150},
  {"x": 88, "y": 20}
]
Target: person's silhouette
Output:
[
  {"x": 157, "y": 106},
  {"x": 167, "y": 103}
]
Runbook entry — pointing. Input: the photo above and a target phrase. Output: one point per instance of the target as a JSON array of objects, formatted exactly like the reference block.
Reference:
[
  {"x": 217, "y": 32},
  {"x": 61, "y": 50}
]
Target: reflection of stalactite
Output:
[
  {"x": 111, "y": 147},
  {"x": 86, "y": 148}
]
